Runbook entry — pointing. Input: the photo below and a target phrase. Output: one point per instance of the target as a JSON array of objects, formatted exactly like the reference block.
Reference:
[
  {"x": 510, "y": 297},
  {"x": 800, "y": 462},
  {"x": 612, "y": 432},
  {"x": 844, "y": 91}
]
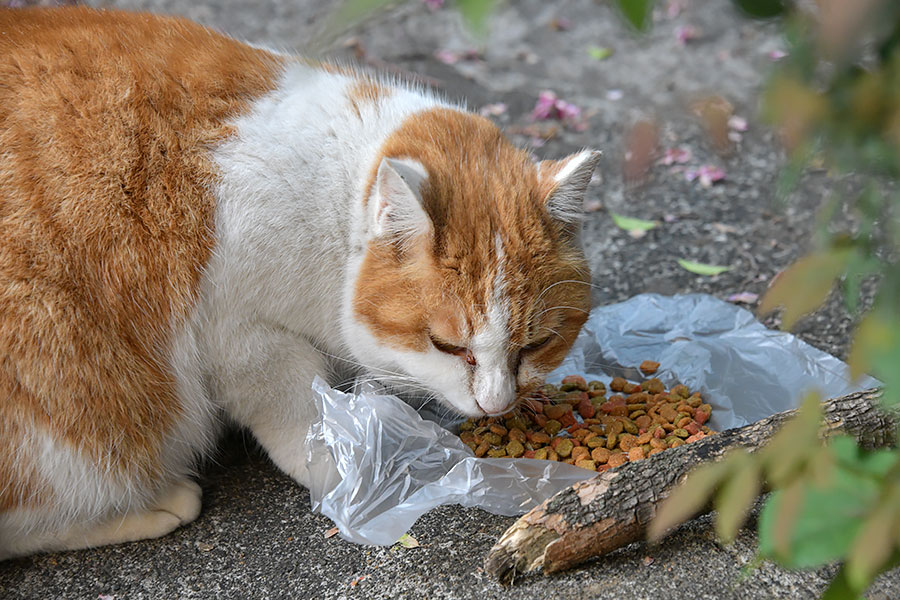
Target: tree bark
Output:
[{"x": 599, "y": 515}]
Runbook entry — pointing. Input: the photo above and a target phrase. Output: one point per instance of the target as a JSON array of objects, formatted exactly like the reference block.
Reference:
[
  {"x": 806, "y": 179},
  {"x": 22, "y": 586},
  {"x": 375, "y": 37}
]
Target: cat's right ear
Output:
[
  {"x": 566, "y": 181},
  {"x": 395, "y": 206}
]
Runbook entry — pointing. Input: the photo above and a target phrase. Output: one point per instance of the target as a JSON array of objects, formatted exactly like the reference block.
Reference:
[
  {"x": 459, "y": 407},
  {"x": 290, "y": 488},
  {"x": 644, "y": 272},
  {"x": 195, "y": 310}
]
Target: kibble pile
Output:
[{"x": 576, "y": 423}]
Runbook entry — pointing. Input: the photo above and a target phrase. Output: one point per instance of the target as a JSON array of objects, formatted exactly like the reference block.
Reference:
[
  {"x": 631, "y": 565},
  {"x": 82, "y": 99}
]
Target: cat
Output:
[{"x": 192, "y": 228}]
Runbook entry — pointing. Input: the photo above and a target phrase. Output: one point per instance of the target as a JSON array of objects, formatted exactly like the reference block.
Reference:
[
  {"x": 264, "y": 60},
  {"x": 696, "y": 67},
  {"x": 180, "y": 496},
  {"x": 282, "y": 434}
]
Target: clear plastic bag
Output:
[{"x": 377, "y": 465}]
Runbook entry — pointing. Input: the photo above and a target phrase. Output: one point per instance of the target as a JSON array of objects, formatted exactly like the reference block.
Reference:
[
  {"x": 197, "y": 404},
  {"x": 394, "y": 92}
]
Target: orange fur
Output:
[
  {"x": 106, "y": 120},
  {"x": 365, "y": 91},
  {"x": 479, "y": 185}
]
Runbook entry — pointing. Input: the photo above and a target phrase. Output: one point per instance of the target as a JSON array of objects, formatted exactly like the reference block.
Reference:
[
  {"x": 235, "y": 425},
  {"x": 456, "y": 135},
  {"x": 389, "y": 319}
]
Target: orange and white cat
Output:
[{"x": 191, "y": 229}]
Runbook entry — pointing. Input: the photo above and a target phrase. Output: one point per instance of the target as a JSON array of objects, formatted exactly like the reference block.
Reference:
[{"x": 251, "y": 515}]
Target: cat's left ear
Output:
[
  {"x": 567, "y": 180},
  {"x": 395, "y": 206}
]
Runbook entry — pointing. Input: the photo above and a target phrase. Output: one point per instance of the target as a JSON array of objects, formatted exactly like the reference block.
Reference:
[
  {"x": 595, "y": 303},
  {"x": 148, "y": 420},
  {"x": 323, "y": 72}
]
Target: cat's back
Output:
[{"x": 107, "y": 121}]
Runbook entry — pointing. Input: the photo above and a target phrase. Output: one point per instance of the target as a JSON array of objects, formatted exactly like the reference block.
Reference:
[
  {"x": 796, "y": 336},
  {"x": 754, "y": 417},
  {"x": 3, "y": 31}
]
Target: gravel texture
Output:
[{"x": 256, "y": 536}]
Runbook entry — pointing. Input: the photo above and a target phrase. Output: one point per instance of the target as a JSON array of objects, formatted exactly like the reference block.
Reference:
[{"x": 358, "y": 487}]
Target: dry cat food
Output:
[{"x": 576, "y": 423}]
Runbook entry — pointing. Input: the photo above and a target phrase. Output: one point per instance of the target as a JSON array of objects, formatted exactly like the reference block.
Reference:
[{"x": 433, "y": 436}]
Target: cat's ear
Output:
[
  {"x": 567, "y": 179},
  {"x": 395, "y": 206}
]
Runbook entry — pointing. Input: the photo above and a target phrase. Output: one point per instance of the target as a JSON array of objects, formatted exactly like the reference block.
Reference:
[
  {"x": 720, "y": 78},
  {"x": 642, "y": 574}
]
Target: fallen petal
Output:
[
  {"x": 737, "y": 123},
  {"x": 544, "y": 107},
  {"x": 448, "y": 57},
  {"x": 744, "y": 298},
  {"x": 706, "y": 174},
  {"x": 676, "y": 156},
  {"x": 686, "y": 33},
  {"x": 566, "y": 110},
  {"x": 493, "y": 110}
]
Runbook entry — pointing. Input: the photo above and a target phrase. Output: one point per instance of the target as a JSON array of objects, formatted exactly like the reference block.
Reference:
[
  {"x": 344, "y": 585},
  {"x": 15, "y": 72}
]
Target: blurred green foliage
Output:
[{"x": 835, "y": 101}]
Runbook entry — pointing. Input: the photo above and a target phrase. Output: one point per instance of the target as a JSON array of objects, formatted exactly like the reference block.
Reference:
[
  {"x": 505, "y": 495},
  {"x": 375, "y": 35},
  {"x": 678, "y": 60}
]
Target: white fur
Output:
[
  {"x": 494, "y": 383},
  {"x": 276, "y": 298}
]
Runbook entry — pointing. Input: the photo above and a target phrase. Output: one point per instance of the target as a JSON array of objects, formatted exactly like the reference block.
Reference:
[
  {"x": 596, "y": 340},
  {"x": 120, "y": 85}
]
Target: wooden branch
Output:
[{"x": 602, "y": 514}]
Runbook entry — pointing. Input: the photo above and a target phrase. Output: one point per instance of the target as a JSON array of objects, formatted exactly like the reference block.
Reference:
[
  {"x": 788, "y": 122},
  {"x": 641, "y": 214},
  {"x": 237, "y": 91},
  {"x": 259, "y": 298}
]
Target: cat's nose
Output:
[{"x": 495, "y": 392}]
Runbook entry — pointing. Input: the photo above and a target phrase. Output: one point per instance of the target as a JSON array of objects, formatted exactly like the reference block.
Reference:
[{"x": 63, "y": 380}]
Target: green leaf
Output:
[
  {"x": 873, "y": 546},
  {"x": 632, "y": 224},
  {"x": 355, "y": 10},
  {"x": 636, "y": 12},
  {"x": 762, "y": 9},
  {"x": 790, "y": 448},
  {"x": 408, "y": 541},
  {"x": 804, "y": 286},
  {"x": 600, "y": 52},
  {"x": 476, "y": 13},
  {"x": 876, "y": 348},
  {"x": 859, "y": 266},
  {"x": 776, "y": 520},
  {"x": 701, "y": 268},
  {"x": 737, "y": 495},
  {"x": 818, "y": 524},
  {"x": 840, "y": 589},
  {"x": 688, "y": 498},
  {"x": 873, "y": 463}
]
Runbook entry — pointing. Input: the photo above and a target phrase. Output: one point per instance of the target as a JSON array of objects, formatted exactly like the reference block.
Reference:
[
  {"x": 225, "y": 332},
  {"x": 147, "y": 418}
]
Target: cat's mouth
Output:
[{"x": 506, "y": 410}]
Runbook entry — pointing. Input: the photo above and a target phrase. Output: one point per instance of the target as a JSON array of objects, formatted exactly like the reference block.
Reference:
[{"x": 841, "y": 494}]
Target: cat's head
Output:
[{"x": 472, "y": 282}]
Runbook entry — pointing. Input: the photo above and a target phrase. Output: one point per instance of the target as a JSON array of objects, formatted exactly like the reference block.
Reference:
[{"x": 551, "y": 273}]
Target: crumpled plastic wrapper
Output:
[{"x": 376, "y": 464}]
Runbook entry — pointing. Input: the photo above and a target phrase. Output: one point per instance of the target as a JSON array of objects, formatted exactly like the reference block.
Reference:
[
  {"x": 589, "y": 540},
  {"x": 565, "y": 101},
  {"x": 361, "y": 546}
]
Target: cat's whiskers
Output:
[
  {"x": 559, "y": 307},
  {"x": 553, "y": 285}
]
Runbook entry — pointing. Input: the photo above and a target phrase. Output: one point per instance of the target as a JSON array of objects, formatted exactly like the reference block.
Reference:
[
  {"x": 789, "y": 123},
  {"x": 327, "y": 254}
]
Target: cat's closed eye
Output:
[
  {"x": 448, "y": 348},
  {"x": 535, "y": 345}
]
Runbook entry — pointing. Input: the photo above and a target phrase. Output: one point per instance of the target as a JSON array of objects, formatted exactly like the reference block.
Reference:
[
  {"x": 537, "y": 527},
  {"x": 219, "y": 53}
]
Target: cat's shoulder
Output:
[{"x": 128, "y": 53}]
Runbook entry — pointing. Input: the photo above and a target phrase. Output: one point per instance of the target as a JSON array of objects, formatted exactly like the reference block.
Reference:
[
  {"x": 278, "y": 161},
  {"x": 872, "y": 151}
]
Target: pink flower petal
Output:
[
  {"x": 550, "y": 106},
  {"x": 686, "y": 33},
  {"x": 434, "y": 4},
  {"x": 567, "y": 110},
  {"x": 451, "y": 57},
  {"x": 744, "y": 297},
  {"x": 737, "y": 123},
  {"x": 777, "y": 54},
  {"x": 706, "y": 175},
  {"x": 493, "y": 110},
  {"x": 676, "y": 155},
  {"x": 544, "y": 107},
  {"x": 448, "y": 57}
]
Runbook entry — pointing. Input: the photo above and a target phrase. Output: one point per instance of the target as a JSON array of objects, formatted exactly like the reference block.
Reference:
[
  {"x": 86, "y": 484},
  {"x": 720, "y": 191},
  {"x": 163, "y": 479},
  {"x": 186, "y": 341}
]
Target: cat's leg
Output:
[
  {"x": 176, "y": 505},
  {"x": 266, "y": 384}
]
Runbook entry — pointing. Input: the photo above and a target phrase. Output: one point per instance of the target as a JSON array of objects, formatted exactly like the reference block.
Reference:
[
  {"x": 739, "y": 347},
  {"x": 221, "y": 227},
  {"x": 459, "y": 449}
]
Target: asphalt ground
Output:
[{"x": 256, "y": 536}]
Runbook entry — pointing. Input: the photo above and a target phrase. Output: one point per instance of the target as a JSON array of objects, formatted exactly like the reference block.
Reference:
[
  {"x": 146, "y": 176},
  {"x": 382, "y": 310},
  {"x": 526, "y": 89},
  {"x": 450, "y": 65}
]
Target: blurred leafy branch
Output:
[{"x": 835, "y": 101}]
